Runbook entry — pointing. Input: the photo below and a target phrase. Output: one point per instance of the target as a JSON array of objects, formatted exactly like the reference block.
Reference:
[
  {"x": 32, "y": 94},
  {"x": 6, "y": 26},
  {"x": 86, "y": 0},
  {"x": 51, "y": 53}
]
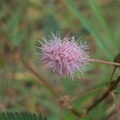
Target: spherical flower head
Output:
[{"x": 64, "y": 56}]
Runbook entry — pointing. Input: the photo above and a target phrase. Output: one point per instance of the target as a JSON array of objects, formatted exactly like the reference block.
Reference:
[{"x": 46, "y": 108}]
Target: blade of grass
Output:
[
  {"x": 90, "y": 28},
  {"x": 13, "y": 25},
  {"x": 110, "y": 36}
]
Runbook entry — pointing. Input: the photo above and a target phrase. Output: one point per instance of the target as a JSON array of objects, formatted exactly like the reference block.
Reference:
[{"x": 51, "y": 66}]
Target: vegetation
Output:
[{"x": 27, "y": 86}]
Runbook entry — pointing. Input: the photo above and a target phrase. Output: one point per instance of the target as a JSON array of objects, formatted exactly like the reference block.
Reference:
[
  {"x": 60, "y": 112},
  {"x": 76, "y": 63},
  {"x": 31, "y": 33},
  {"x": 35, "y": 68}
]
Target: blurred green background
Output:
[{"x": 23, "y": 22}]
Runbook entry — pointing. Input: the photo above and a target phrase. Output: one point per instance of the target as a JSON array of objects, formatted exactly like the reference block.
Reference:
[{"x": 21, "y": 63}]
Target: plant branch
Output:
[
  {"x": 40, "y": 80},
  {"x": 105, "y": 95},
  {"x": 27, "y": 65},
  {"x": 88, "y": 92},
  {"x": 116, "y": 103},
  {"x": 113, "y": 72},
  {"x": 105, "y": 62}
]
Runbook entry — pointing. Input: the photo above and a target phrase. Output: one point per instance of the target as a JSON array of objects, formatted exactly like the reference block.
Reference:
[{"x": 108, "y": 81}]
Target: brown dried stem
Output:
[
  {"x": 27, "y": 65},
  {"x": 116, "y": 103},
  {"x": 105, "y": 62}
]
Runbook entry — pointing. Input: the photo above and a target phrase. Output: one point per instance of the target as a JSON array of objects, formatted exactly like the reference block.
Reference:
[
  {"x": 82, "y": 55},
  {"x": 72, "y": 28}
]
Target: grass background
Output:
[{"x": 23, "y": 22}]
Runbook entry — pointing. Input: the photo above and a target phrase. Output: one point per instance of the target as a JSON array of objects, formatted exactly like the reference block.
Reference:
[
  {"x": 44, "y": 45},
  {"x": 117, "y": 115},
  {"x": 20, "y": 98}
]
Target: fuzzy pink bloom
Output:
[{"x": 64, "y": 56}]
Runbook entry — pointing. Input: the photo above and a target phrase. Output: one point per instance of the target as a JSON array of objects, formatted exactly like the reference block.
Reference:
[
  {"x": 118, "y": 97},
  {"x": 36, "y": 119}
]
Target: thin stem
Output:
[
  {"x": 105, "y": 62},
  {"x": 104, "y": 95},
  {"x": 116, "y": 103},
  {"x": 75, "y": 112},
  {"x": 26, "y": 63},
  {"x": 40, "y": 80},
  {"x": 90, "y": 91},
  {"x": 113, "y": 72}
]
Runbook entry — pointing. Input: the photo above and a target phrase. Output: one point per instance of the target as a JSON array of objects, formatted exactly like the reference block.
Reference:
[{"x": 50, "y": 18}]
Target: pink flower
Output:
[{"x": 64, "y": 56}]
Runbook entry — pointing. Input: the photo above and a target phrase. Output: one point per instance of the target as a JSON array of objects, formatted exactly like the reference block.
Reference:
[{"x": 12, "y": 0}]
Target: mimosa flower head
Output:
[{"x": 64, "y": 56}]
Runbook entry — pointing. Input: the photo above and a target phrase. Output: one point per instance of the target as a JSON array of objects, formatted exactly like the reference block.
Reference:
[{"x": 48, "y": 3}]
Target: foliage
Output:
[
  {"x": 20, "y": 116},
  {"x": 26, "y": 86}
]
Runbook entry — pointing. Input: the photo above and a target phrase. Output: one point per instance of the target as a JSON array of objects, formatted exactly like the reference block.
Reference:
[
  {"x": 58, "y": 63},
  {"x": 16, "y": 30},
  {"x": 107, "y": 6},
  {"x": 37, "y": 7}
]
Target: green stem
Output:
[{"x": 113, "y": 72}]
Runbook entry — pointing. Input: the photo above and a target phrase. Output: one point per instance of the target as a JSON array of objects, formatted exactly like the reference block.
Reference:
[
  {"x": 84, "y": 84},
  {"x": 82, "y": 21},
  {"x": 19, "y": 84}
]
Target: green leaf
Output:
[
  {"x": 17, "y": 116},
  {"x": 110, "y": 36},
  {"x": 21, "y": 116},
  {"x": 69, "y": 117},
  {"x": 117, "y": 58},
  {"x": 86, "y": 23},
  {"x": 14, "y": 21},
  {"x": 3, "y": 116},
  {"x": 11, "y": 116},
  {"x": 99, "y": 112},
  {"x": 13, "y": 24},
  {"x": 18, "y": 38},
  {"x": 50, "y": 24}
]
